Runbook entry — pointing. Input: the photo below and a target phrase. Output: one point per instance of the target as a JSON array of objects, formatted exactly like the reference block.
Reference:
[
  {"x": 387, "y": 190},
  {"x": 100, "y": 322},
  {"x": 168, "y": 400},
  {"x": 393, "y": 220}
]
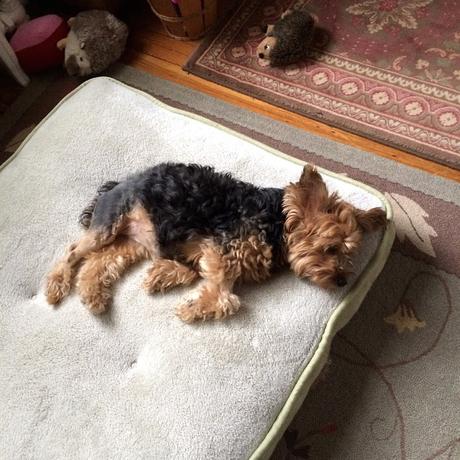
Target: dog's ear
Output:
[
  {"x": 315, "y": 190},
  {"x": 371, "y": 220},
  {"x": 310, "y": 175},
  {"x": 304, "y": 198},
  {"x": 269, "y": 30}
]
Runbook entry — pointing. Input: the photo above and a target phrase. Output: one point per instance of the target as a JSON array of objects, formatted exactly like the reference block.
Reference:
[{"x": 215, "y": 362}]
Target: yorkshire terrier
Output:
[{"x": 193, "y": 222}]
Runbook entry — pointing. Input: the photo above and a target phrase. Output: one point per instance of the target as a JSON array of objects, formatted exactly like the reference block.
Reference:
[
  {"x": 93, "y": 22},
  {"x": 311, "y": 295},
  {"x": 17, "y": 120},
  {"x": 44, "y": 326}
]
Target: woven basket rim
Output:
[{"x": 166, "y": 18}]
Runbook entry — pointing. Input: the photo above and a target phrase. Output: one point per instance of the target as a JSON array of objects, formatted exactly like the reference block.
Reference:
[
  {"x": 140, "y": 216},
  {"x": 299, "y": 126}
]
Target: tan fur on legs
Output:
[
  {"x": 59, "y": 280},
  {"x": 248, "y": 259},
  {"x": 191, "y": 251},
  {"x": 166, "y": 274},
  {"x": 136, "y": 225},
  {"x": 212, "y": 302},
  {"x": 101, "y": 269}
]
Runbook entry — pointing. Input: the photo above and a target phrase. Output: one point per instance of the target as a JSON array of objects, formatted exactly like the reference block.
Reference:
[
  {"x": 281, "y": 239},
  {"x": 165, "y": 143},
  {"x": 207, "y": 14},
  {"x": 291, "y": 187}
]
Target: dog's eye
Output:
[
  {"x": 266, "y": 47},
  {"x": 332, "y": 250}
]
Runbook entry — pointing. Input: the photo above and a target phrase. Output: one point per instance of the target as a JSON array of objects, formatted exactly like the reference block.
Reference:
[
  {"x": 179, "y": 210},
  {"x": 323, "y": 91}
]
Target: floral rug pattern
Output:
[{"x": 385, "y": 69}]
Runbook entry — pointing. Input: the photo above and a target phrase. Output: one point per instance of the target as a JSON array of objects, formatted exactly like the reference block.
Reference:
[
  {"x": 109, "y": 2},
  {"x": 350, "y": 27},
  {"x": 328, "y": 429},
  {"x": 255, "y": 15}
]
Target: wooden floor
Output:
[
  {"x": 9, "y": 91},
  {"x": 152, "y": 50}
]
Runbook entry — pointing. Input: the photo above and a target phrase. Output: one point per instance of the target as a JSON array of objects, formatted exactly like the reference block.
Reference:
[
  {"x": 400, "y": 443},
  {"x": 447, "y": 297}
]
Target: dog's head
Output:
[{"x": 322, "y": 231}]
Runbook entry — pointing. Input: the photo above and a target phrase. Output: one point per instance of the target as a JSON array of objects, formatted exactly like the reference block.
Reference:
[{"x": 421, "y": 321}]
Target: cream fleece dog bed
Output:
[{"x": 137, "y": 382}]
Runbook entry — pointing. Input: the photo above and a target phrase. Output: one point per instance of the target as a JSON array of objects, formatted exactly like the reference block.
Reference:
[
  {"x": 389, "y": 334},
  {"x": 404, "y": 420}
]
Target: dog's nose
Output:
[
  {"x": 341, "y": 281},
  {"x": 261, "y": 55}
]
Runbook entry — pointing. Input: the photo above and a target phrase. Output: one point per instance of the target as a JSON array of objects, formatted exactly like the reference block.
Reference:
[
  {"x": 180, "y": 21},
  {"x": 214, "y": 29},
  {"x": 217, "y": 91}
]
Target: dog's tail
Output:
[{"x": 87, "y": 213}]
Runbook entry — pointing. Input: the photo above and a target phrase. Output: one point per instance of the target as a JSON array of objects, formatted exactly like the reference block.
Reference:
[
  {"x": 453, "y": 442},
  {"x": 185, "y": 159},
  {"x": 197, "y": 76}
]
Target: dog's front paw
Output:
[
  {"x": 227, "y": 305},
  {"x": 209, "y": 305},
  {"x": 189, "y": 311},
  {"x": 96, "y": 305},
  {"x": 95, "y": 298}
]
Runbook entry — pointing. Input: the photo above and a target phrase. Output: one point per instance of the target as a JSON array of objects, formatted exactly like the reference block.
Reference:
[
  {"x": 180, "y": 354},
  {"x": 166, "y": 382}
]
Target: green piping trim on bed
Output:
[{"x": 342, "y": 313}]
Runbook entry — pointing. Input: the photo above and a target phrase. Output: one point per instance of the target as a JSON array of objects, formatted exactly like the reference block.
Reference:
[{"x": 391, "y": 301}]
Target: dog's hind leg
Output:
[
  {"x": 107, "y": 224},
  {"x": 59, "y": 281},
  {"x": 102, "y": 268}
]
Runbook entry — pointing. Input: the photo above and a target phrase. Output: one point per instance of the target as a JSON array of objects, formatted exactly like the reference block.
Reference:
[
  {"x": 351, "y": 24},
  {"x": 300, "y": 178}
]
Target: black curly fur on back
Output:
[
  {"x": 294, "y": 34},
  {"x": 186, "y": 201}
]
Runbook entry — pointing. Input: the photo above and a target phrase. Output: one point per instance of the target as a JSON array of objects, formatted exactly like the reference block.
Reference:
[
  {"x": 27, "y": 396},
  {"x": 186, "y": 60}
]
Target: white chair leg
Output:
[{"x": 9, "y": 59}]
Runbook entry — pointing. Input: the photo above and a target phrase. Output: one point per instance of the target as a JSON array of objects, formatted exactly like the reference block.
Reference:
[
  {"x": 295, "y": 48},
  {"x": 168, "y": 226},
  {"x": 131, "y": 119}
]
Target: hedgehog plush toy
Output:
[
  {"x": 287, "y": 41},
  {"x": 96, "y": 39}
]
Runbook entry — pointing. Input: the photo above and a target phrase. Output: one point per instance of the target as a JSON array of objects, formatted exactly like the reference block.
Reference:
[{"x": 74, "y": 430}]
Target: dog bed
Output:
[{"x": 137, "y": 382}]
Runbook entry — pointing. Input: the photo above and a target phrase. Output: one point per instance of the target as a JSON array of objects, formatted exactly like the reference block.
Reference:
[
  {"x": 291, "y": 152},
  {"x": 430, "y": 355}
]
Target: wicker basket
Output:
[{"x": 186, "y": 19}]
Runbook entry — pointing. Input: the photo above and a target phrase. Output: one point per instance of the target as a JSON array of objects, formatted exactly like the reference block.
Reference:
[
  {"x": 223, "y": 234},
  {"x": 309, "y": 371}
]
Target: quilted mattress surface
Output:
[{"x": 137, "y": 382}]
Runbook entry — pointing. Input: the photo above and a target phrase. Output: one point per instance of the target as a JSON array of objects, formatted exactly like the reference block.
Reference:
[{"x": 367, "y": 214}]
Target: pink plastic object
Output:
[{"x": 34, "y": 43}]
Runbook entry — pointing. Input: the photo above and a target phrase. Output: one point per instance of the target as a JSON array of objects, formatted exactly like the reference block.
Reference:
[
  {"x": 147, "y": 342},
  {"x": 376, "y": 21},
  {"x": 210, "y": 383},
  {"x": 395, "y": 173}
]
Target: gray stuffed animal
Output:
[
  {"x": 96, "y": 39},
  {"x": 287, "y": 41}
]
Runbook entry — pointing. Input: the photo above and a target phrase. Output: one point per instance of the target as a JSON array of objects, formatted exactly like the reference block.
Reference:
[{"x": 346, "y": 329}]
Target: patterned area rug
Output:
[
  {"x": 388, "y": 70},
  {"x": 392, "y": 388}
]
